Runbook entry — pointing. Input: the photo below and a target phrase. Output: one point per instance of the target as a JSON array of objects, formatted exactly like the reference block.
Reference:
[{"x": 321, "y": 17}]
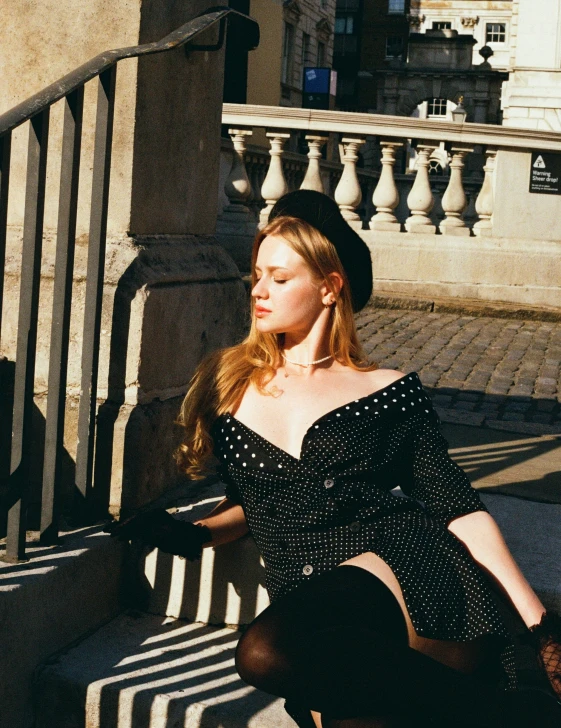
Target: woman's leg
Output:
[
  {"x": 339, "y": 645},
  {"x": 466, "y": 657}
]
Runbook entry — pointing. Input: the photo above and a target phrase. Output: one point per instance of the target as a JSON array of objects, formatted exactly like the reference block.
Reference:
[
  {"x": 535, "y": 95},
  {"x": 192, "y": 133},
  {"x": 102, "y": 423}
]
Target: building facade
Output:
[
  {"x": 532, "y": 95},
  {"x": 489, "y": 21},
  {"x": 294, "y": 34}
]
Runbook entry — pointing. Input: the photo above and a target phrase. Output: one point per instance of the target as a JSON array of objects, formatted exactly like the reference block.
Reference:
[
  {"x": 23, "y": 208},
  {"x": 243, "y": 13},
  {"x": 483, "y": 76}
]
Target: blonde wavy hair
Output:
[{"x": 221, "y": 379}]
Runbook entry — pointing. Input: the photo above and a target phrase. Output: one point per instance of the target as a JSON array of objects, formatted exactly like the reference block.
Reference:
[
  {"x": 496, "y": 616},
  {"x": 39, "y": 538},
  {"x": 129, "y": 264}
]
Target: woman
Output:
[{"x": 310, "y": 441}]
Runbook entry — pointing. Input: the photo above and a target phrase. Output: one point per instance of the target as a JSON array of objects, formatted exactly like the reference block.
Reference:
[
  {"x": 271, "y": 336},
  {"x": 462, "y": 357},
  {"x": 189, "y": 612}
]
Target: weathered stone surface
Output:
[
  {"x": 48, "y": 602},
  {"x": 512, "y": 270}
]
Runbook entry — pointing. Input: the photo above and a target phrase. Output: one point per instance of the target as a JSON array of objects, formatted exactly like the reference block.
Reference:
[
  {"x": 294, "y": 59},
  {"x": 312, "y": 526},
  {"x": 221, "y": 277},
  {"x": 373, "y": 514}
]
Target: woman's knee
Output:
[{"x": 261, "y": 661}]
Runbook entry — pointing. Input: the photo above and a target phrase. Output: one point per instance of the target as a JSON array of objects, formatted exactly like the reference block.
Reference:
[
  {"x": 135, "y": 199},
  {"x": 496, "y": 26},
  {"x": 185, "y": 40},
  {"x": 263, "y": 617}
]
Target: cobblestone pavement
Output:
[{"x": 481, "y": 369}]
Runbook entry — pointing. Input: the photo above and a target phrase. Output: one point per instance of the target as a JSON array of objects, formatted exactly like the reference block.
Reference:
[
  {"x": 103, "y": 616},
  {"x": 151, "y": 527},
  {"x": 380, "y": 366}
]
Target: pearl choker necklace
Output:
[{"x": 317, "y": 361}]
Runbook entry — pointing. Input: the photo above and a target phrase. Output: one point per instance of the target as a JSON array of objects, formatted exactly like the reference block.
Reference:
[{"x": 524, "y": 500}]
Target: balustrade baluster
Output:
[
  {"x": 237, "y": 186},
  {"x": 484, "y": 205},
  {"x": 386, "y": 195},
  {"x": 454, "y": 200},
  {"x": 312, "y": 179},
  {"x": 274, "y": 186},
  {"x": 94, "y": 286},
  {"x": 22, "y": 443},
  {"x": 420, "y": 200},
  {"x": 60, "y": 327},
  {"x": 348, "y": 194}
]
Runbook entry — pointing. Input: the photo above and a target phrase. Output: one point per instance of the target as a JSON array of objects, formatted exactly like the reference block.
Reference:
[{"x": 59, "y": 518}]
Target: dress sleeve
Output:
[
  {"x": 435, "y": 479},
  {"x": 231, "y": 491}
]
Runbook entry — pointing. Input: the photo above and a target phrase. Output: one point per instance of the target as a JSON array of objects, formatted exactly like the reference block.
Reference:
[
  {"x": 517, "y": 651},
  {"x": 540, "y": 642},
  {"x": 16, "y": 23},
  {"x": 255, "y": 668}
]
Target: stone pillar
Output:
[
  {"x": 420, "y": 200},
  {"x": 274, "y": 186},
  {"x": 236, "y": 225},
  {"x": 454, "y": 200},
  {"x": 386, "y": 195},
  {"x": 348, "y": 194},
  {"x": 172, "y": 293},
  {"x": 312, "y": 179},
  {"x": 484, "y": 205}
]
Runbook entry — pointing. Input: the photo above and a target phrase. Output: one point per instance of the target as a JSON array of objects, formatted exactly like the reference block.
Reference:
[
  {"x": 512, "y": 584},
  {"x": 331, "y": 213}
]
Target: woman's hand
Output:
[
  {"x": 158, "y": 528},
  {"x": 546, "y": 637}
]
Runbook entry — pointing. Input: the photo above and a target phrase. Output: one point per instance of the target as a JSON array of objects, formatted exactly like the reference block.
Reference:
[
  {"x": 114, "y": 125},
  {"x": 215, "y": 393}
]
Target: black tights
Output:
[{"x": 338, "y": 645}]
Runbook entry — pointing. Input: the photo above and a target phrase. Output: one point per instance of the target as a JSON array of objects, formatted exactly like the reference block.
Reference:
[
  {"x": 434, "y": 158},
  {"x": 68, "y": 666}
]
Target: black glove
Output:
[
  {"x": 546, "y": 638},
  {"x": 158, "y": 528}
]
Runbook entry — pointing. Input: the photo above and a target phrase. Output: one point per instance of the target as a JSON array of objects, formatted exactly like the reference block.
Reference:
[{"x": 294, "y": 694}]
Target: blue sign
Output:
[{"x": 317, "y": 80}]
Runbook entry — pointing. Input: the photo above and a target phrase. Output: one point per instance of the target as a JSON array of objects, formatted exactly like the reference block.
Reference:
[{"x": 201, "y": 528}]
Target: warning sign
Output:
[{"x": 545, "y": 174}]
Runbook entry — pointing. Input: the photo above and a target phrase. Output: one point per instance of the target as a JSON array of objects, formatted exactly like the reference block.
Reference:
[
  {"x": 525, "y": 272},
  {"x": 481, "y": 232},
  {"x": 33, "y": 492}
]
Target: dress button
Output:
[
  {"x": 307, "y": 570},
  {"x": 329, "y": 483},
  {"x": 355, "y": 526}
]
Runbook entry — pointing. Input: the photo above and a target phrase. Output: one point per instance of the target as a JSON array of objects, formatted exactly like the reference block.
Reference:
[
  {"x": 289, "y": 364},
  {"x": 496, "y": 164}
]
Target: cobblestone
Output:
[{"x": 480, "y": 367}]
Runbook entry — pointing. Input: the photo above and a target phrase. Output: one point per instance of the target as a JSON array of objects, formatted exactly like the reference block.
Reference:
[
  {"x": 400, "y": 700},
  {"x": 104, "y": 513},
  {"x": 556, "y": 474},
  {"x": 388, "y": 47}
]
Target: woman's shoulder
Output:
[{"x": 381, "y": 378}]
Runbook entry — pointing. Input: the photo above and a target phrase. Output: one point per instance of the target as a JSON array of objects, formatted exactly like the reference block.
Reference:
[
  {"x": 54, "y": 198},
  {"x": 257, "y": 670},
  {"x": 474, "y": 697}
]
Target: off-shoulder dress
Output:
[{"x": 309, "y": 514}]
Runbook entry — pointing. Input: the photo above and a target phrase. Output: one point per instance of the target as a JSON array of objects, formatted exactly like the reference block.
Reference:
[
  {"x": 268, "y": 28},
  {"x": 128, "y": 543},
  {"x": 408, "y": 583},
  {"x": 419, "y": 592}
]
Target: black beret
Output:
[{"x": 323, "y": 213}]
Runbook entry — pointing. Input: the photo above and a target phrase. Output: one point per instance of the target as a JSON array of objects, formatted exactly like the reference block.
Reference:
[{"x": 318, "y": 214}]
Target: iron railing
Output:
[{"x": 36, "y": 110}]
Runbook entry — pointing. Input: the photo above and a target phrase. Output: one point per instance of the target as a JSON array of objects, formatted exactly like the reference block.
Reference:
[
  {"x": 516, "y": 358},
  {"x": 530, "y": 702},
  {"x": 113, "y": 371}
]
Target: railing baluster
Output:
[
  {"x": 60, "y": 328},
  {"x": 420, "y": 199},
  {"x": 454, "y": 200},
  {"x": 5, "y": 154},
  {"x": 312, "y": 180},
  {"x": 275, "y": 184},
  {"x": 348, "y": 194},
  {"x": 94, "y": 285},
  {"x": 386, "y": 195},
  {"x": 27, "y": 329}
]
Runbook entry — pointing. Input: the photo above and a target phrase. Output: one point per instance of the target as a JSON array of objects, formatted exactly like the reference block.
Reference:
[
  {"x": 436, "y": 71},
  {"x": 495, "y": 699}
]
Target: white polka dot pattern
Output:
[{"x": 308, "y": 515}]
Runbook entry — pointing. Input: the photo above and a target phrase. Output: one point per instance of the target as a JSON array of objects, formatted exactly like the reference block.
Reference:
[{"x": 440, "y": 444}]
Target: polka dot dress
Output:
[{"x": 307, "y": 515}]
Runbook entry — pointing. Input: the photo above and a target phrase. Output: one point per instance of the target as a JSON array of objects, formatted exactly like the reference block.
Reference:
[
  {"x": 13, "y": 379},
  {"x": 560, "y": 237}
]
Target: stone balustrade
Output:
[
  {"x": 284, "y": 172},
  {"x": 445, "y": 207}
]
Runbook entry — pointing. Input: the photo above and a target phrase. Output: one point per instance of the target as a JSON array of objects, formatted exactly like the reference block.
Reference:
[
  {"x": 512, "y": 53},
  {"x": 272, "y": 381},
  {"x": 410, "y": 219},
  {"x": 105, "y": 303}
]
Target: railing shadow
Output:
[{"x": 183, "y": 669}]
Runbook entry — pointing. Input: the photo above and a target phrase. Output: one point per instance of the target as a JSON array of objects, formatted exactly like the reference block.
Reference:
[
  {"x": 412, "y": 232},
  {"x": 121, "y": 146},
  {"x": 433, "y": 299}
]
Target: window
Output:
[
  {"x": 321, "y": 55},
  {"x": 394, "y": 46},
  {"x": 396, "y": 6},
  {"x": 305, "y": 48},
  {"x": 287, "y": 53},
  {"x": 344, "y": 25},
  {"x": 442, "y": 25},
  {"x": 437, "y": 107},
  {"x": 495, "y": 33}
]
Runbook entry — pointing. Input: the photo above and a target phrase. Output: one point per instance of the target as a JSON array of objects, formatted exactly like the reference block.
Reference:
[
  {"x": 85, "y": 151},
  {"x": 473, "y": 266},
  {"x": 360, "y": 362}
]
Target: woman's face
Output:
[{"x": 288, "y": 299}]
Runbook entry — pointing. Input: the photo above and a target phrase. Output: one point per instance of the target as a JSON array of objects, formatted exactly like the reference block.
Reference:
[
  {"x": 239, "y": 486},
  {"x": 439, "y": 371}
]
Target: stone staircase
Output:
[{"x": 171, "y": 663}]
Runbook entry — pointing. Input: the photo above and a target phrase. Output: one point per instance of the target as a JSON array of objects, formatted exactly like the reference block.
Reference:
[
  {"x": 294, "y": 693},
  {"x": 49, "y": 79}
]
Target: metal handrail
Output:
[
  {"x": 36, "y": 110},
  {"x": 96, "y": 65}
]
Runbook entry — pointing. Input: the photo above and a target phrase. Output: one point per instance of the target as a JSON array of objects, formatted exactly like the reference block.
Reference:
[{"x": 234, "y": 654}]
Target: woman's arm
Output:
[
  {"x": 482, "y": 537},
  {"x": 226, "y": 522}
]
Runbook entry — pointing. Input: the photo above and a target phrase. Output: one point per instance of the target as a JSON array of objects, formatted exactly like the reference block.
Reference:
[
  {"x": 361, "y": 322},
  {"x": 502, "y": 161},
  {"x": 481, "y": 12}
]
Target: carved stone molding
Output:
[
  {"x": 470, "y": 22},
  {"x": 324, "y": 29},
  {"x": 415, "y": 21},
  {"x": 292, "y": 10}
]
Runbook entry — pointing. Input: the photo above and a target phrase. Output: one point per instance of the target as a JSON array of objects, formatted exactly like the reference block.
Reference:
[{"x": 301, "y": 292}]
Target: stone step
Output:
[
  {"x": 56, "y": 597},
  {"x": 144, "y": 671}
]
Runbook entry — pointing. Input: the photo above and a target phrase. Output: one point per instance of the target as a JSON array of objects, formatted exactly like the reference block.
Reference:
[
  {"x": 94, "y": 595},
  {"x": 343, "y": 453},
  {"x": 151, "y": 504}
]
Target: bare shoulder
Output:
[{"x": 381, "y": 378}]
